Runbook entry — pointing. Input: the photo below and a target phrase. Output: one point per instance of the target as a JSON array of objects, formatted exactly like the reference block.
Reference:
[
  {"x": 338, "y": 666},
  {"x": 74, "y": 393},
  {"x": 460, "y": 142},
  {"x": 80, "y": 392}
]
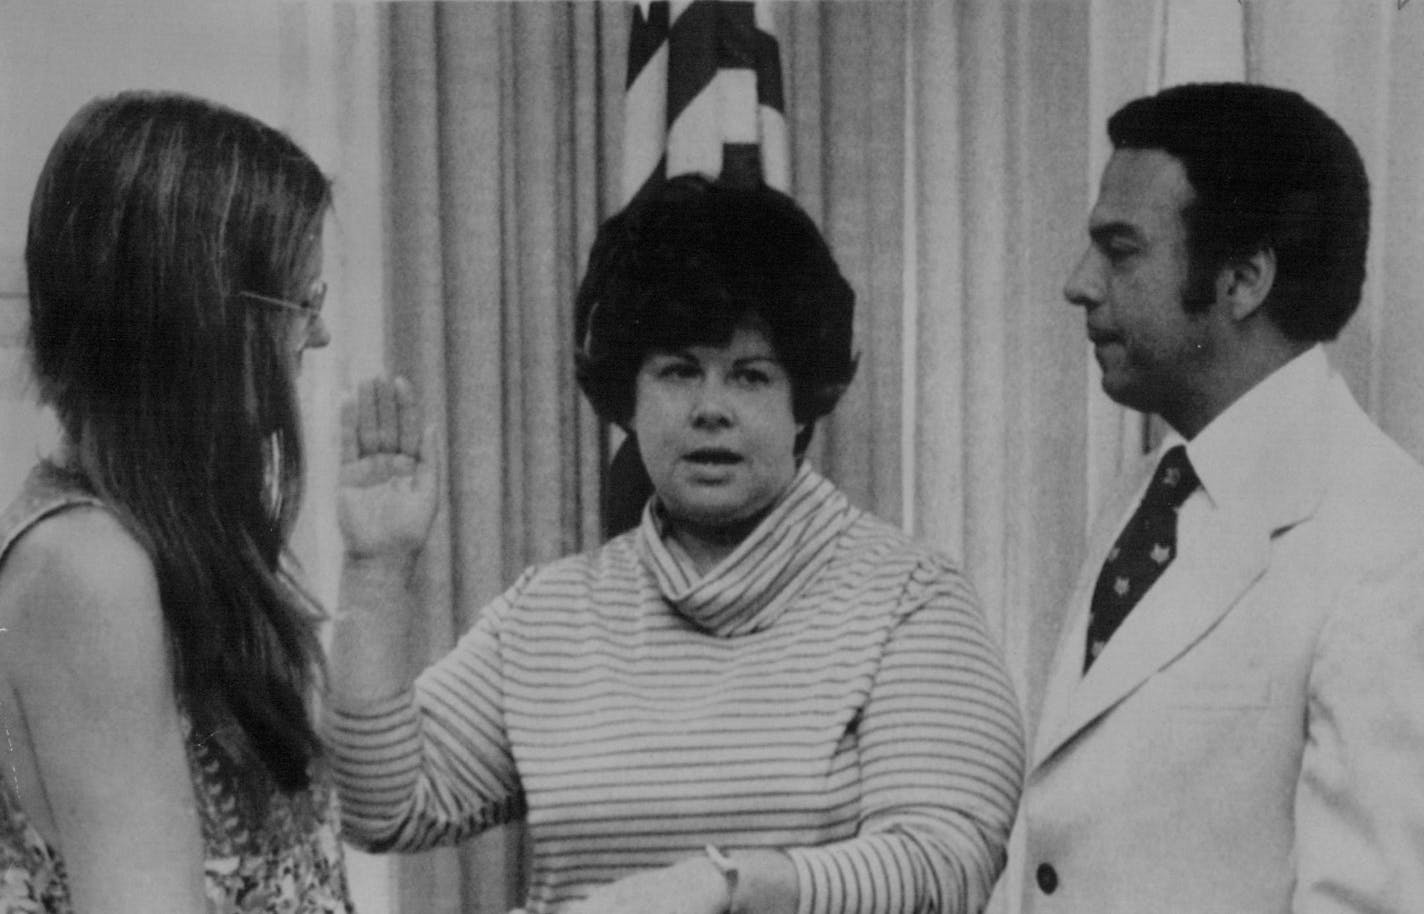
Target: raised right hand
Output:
[{"x": 387, "y": 496}]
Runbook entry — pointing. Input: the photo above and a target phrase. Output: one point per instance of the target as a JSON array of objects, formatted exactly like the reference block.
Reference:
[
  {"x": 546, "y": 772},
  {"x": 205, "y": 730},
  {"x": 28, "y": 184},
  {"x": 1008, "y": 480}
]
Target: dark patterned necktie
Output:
[{"x": 1143, "y": 550}]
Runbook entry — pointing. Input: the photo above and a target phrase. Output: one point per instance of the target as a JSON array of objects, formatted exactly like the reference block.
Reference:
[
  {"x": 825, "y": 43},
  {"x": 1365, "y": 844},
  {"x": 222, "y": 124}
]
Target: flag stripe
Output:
[
  {"x": 694, "y": 139},
  {"x": 692, "y": 56},
  {"x": 645, "y": 123},
  {"x": 768, "y": 71},
  {"x": 703, "y": 74},
  {"x": 775, "y": 158},
  {"x": 647, "y": 36},
  {"x": 736, "y": 35}
]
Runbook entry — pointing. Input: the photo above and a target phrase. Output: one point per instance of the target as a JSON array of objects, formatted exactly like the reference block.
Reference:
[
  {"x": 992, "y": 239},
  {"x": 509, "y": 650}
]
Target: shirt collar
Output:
[{"x": 1246, "y": 454}]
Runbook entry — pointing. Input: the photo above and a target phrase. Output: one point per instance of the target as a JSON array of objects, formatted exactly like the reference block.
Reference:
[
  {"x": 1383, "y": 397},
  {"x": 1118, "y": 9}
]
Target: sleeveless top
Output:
[{"x": 264, "y": 850}]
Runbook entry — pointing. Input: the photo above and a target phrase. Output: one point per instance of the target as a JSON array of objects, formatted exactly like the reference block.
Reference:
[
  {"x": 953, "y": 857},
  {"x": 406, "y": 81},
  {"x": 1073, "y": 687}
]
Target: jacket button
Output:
[{"x": 1047, "y": 878}]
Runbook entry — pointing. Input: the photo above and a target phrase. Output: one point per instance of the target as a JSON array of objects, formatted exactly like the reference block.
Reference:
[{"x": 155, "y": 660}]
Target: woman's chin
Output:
[{"x": 725, "y": 520}]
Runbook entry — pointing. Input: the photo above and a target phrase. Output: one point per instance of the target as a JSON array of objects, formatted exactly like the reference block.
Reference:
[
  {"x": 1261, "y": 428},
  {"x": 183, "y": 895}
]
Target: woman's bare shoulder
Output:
[{"x": 78, "y": 589}]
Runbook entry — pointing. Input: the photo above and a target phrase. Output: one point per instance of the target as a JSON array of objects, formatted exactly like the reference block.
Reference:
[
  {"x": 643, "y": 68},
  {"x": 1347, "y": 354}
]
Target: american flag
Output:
[{"x": 703, "y": 95}]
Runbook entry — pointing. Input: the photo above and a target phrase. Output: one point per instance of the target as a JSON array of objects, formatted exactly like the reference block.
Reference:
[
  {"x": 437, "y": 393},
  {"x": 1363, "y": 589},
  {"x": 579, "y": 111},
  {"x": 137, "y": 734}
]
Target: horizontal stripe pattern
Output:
[{"x": 868, "y": 727}]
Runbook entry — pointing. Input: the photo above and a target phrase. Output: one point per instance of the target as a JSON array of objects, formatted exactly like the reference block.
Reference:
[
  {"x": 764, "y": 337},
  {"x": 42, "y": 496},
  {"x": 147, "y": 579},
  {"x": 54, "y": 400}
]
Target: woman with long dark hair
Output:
[{"x": 156, "y": 653}]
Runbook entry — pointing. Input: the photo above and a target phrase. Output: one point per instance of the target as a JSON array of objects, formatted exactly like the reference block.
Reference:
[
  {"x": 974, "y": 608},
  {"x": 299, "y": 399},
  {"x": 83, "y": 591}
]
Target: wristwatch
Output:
[{"x": 728, "y": 868}]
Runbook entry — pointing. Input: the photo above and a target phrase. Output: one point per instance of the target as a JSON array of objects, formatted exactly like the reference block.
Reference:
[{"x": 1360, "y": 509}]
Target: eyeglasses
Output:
[{"x": 309, "y": 308}]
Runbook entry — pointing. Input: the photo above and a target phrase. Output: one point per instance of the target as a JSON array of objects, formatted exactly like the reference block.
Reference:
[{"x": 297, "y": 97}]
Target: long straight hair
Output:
[{"x": 152, "y": 213}]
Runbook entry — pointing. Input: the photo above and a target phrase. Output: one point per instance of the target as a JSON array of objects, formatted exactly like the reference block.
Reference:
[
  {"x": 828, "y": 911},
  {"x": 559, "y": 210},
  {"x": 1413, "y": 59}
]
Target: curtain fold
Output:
[
  {"x": 1399, "y": 203},
  {"x": 496, "y": 140},
  {"x": 851, "y": 88},
  {"x": 416, "y": 346},
  {"x": 1000, "y": 376}
]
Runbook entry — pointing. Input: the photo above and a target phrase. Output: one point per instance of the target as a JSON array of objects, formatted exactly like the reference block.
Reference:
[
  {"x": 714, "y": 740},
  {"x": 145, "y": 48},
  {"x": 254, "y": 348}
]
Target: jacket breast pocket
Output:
[{"x": 1226, "y": 693}]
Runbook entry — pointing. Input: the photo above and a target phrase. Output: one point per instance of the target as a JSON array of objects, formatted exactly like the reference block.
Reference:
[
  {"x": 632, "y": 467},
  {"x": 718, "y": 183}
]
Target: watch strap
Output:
[{"x": 728, "y": 868}]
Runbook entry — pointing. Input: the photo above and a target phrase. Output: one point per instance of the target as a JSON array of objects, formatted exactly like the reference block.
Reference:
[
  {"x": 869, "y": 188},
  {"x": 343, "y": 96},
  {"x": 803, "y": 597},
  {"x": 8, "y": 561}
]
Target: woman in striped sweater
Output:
[{"x": 762, "y": 699}]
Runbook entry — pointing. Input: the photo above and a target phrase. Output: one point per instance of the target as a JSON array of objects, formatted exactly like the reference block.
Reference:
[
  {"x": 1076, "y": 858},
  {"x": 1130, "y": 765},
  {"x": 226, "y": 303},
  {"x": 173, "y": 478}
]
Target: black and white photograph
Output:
[{"x": 712, "y": 456}]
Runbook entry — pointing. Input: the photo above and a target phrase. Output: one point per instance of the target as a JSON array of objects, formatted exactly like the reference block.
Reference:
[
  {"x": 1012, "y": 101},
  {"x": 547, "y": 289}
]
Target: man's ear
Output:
[{"x": 1244, "y": 282}]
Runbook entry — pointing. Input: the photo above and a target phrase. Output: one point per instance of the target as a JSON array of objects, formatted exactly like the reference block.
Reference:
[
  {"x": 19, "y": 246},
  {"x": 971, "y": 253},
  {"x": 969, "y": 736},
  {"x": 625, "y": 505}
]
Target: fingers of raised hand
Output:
[
  {"x": 429, "y": 453},
  {"x": 394, "y": 466},
  {"x": 412, "y": 420},
  {"x": 384, "y": 417},
  {"x": 350, "y": 450},
  {"x": 377, "y": 427}
]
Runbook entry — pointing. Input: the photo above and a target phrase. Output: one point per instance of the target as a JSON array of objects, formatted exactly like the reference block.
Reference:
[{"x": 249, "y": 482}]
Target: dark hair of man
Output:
[
  {"x": 152, "y": 213},
  {"x": 1271, "y": 171},
  {"x": 688, "y": 262}
]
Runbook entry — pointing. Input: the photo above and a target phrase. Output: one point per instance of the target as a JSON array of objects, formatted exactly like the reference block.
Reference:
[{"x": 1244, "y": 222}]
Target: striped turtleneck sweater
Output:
[{"x": 829, "y": 689}]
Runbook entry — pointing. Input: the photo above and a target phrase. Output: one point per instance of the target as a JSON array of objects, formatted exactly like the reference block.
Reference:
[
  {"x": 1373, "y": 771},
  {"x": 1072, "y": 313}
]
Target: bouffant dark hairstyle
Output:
[
  {"x": 687, "y": 262},
  {"x": 1270, "y": 171}
]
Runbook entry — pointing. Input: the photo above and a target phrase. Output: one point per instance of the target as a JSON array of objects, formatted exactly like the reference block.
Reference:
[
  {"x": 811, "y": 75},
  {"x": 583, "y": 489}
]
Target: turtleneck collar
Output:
[{"x": 749, "y": 589}]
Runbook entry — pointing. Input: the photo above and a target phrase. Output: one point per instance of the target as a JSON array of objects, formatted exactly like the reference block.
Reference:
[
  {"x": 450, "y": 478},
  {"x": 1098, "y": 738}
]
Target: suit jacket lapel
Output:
[
  {"x": 1182, "y": 605},
  {"x": 1067, "y": 668},
  {"x": 1201, "y": 585}
]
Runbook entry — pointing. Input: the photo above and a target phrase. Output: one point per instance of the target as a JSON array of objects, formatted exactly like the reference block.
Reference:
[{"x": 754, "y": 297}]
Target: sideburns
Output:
[{"x": 1199, "y": 291}]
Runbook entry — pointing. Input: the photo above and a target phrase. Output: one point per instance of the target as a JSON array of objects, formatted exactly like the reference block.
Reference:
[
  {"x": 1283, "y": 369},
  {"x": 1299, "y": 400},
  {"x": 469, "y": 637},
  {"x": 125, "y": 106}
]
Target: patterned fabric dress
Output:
[{"x": 265, "y": 850}]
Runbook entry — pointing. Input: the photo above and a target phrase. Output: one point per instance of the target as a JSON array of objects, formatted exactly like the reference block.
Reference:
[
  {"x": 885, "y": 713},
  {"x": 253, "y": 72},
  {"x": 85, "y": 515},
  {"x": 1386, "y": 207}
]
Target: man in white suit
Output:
[{"x": 1235, "y": 719}]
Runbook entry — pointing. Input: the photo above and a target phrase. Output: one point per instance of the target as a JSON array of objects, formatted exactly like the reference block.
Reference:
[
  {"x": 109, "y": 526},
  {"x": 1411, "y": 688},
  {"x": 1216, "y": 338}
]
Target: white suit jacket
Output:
[{"x": 1252, "y": 738}]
